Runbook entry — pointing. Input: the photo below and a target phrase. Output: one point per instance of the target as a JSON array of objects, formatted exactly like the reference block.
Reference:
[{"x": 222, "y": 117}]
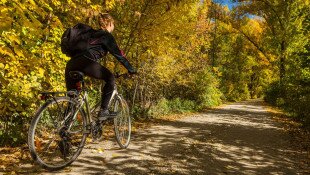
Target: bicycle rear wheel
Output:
[
  {"x": 122, "y": 122},
  {"x": 56, "y": 137}
]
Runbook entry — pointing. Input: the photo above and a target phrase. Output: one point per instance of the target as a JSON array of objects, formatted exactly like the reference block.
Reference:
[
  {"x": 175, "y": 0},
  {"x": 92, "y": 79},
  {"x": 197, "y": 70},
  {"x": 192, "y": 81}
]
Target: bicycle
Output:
[{"x": 59, "y": 129}]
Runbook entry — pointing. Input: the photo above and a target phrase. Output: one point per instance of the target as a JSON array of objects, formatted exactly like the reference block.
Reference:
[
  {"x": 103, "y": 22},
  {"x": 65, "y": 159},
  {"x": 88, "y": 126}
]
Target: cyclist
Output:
[{"x": 102, "y": 41}]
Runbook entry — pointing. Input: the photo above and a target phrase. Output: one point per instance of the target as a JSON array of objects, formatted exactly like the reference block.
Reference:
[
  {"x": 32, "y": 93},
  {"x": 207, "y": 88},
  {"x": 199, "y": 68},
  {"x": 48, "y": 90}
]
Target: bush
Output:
[
  {"x": 297, "y": 102},
  {"x": 272, "y": 94},
  {"x": 177, "y": 105},
  {"x": 13, "y": 130},
  {"x": 206, "y": 90},
  {"x": 291, "y": 97}
]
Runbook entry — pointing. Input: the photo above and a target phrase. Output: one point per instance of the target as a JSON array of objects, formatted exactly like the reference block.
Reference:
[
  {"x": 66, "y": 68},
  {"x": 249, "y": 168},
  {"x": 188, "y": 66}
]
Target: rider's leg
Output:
[
  {"x": 95, "y": 70},
  {"x": 107, "y": 91},
  {"x": 72, "y": 65}
]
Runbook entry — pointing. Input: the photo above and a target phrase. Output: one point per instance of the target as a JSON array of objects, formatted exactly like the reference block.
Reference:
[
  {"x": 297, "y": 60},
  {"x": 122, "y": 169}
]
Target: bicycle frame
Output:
[
  {"x": 84, "y": 101},
  {"x": 81, "y": 101},
  {"x": 114, "y": 93}
]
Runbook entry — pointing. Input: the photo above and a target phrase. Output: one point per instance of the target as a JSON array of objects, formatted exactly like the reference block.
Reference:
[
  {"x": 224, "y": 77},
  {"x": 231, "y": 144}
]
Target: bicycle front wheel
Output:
[
  {"x": 56, "y": 135},
  {"x": 122, "y": 122}
]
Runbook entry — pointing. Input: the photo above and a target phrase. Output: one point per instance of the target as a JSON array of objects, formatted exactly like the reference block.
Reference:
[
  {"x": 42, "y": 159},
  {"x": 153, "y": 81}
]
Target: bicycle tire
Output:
[
  {"x": 122, "y": 122},
  {"x": 47, "y": 115}
]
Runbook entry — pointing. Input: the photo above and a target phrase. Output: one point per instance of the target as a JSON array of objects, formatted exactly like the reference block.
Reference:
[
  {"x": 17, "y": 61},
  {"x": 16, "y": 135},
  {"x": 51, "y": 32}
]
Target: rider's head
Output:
[{"x": 106, "y": 22}]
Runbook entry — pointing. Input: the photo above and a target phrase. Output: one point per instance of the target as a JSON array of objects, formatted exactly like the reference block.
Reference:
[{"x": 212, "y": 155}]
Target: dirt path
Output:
[{"x": 239, "y": 138}]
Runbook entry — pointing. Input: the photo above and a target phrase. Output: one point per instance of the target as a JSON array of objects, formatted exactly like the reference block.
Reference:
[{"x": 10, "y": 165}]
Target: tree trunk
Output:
[{"x": 282, "y": 62}]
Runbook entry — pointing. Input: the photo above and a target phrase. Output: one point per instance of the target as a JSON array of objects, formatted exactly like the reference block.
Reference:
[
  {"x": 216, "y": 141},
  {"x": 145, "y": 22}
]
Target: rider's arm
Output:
[{"x": 112, "y": 47}]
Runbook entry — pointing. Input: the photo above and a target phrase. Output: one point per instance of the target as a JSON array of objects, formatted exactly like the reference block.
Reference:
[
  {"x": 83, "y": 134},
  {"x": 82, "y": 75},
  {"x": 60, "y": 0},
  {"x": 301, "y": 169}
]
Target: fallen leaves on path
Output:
[
  {"x": 11, "y": 158},
  {"x": 300, "y": 136}
]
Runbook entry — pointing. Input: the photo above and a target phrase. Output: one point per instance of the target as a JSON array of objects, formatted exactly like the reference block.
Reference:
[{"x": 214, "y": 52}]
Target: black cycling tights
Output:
[{"x": 94, "y": 70}]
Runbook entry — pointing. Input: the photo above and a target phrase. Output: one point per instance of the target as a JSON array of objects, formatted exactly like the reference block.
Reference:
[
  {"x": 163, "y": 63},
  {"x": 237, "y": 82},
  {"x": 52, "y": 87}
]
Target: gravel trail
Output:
[{"x": 239, "y": 138}]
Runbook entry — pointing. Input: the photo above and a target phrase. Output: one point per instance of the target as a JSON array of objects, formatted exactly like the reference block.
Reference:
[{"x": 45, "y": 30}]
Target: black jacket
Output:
[{"x": 100, "y": 43}]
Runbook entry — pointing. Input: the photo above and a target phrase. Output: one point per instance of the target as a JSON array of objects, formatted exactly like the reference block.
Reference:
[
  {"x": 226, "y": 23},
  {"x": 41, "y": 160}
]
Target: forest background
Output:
[{"x": 190, "y": 55}]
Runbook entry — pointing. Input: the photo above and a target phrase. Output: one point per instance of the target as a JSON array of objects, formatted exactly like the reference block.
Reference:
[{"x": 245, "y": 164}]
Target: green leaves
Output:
[{"x": 285, "y": 42}]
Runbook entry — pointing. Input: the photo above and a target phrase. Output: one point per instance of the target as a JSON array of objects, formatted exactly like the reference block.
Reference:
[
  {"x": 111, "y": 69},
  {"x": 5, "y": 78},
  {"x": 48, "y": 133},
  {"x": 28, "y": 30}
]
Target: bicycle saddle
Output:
[{"x": 77, "y": 75}]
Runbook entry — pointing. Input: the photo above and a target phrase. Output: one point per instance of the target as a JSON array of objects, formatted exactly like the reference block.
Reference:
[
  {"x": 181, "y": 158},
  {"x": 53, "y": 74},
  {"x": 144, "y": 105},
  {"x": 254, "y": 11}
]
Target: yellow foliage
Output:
[
  {"x": 109, "y": 4},
  {"x": 6, "y": 51},
  {"x": 18, "y": 52},
  {"x": 32, "y": 2},
  {"x": 41, "y": 72},
  {"x": 12, "y": 37}
]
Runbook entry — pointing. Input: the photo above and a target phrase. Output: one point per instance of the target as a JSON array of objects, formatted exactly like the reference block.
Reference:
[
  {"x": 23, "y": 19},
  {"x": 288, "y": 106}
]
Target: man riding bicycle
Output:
[{"x": 101, "y": 41}]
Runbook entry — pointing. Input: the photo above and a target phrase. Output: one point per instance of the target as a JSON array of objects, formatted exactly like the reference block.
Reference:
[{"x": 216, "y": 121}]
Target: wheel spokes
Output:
[
  {"x": 54, "y": 144},
  {"x": 122, "y": 124}
]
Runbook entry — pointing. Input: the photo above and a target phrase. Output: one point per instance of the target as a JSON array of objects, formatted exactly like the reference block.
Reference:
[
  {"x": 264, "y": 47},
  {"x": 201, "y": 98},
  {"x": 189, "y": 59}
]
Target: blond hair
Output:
[{"x": 104, "y": 19}]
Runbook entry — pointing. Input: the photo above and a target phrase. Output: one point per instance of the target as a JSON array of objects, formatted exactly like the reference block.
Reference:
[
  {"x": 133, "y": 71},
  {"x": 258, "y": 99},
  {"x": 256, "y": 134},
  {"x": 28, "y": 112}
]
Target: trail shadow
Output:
[{"x": 239, "y": 139}]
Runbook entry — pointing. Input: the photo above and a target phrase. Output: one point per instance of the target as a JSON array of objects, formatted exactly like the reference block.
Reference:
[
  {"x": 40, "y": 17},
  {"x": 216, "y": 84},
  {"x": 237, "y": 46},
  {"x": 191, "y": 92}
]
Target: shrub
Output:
[
  {"x": 291, "y": 97},
  {"x": 206, "y": 90},
  {"x": 272, "y": 94},
  {"x": 177, "y": 105}
]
